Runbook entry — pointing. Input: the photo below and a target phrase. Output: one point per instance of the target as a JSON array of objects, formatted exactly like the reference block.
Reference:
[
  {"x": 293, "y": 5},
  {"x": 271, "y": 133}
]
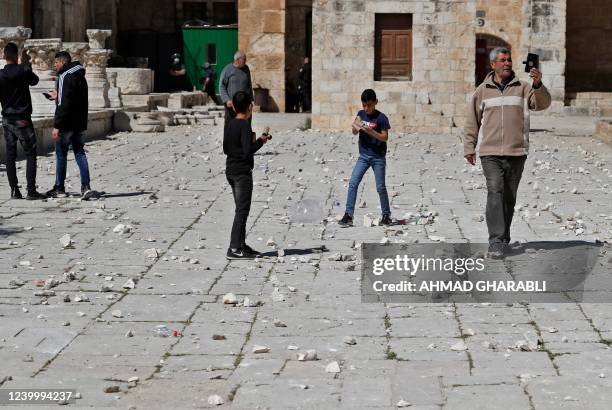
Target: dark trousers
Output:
[
  {"x": 22, "y": 131},
  {"x": 242, "y": 189},
  {"x": 210, "y": 90},
  {"x": 503, "y": 174},
  {"x": 62, "y": 145}
]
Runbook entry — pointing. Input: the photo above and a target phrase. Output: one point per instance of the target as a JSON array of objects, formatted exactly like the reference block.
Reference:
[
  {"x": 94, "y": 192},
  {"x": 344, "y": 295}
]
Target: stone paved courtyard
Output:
[{"x": 93, "y": 329}]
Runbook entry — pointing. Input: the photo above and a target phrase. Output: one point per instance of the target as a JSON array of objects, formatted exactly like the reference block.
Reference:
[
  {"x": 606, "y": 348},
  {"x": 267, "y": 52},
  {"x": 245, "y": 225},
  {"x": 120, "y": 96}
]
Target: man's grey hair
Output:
[
  {"x": 238, "y": 55},
  {"x": 498, "y": 50}
]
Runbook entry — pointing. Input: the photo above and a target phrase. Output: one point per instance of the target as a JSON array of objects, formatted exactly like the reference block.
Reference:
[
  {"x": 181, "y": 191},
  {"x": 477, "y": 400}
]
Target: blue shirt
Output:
[{"x": 369, "y": 145}]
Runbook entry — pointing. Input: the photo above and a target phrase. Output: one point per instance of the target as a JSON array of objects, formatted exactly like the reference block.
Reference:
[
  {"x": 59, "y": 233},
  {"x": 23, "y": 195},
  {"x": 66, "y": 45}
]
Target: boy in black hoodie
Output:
[
  {"x": 15, "y": 82},
  {"x": 239, "y": 144}
]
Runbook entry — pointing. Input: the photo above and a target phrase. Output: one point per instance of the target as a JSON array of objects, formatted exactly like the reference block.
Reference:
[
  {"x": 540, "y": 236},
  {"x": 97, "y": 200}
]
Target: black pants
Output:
[
  {"x": 210, "y": 90},
  {"x": 22, "y": 131},
  {"x": 503, "y": 174},
  {"x": 242, "y": 188}
]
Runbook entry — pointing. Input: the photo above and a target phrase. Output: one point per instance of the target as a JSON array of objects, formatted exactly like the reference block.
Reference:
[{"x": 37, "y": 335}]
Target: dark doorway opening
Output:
[{"x": 485, "y": 43}]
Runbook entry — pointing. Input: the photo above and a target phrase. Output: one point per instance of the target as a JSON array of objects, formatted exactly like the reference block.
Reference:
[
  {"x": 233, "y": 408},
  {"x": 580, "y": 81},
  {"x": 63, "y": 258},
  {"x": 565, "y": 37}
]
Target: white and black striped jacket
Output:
[{"x": 71, "y": 101}]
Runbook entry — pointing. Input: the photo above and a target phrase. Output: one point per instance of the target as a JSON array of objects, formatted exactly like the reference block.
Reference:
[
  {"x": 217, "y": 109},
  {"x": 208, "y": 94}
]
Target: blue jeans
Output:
[
  {"x": 62, "y": 145},
  {"x": 379, "y": 165}
]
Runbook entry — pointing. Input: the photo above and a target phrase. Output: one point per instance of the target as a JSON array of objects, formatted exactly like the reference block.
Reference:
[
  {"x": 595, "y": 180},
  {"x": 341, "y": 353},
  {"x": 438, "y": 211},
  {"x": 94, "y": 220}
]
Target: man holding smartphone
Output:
[
  {"x": 15, "y": 82},
  {"x": 497, "y": 129}
]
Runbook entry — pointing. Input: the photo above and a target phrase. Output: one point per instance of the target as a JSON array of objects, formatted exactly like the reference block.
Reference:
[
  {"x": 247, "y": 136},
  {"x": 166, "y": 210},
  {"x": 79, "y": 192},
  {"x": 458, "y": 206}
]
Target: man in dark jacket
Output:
[
  {"x": 15, "y": 80},
  {"x": 70, "y": 123}
]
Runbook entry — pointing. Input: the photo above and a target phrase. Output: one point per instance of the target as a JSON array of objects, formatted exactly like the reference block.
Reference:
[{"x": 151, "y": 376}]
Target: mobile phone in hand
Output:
[
  {"x": 48, "y": 96},
  {"x": 533, "y": 61}
]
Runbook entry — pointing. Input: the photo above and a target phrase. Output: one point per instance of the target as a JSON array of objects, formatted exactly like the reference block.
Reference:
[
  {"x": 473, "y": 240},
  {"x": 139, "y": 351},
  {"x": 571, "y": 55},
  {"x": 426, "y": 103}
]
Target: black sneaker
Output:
[
  {"x": 34, "y": 195},
  {"x": 86, "y": 193},
  {"x": 16, "y": 193},
  {"x": 250, "y": 251},
  {"x": 346, "y": 221},
  {"x": 56, "y": 193},
  {"x": 496, "y": 250},
  {"x": 233, "y": 254},
  {"x": 386, "y": 220}
]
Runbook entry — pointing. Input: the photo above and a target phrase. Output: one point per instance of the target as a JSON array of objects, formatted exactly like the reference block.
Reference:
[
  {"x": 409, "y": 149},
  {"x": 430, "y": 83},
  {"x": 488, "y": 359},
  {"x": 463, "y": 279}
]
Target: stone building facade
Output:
[{"x": 448, "y": 54}]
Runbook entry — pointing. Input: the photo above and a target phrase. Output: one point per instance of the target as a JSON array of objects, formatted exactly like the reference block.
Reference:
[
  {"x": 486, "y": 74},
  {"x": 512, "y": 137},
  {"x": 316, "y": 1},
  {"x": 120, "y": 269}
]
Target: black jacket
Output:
[
  {"x": 15, "y": 80},
  {"x": 239, "y": 144},
  {"x": 71, "y": 102}
]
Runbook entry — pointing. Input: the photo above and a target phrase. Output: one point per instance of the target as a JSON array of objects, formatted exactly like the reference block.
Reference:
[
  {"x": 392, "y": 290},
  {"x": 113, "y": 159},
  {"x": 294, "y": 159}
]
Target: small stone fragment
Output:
[
  {"x": 459, "y": 346},
  {"x": 349, "y": 340},
  {"x": 332, "y": 367},
  {"x": 278, "y": 323},
  {"x": 308, "y": 355},
  {"x": 151, "y": 253},
  {"x": 230, "y": 299},
  {"x": 218, "y": 337},
  {"x": 403, "y": 403},
  {"x": 111, "y": 389},
  {"x": 215, "y": 400},
  {"x": 65, "y": 241},
  {"x": 261, "y": 349},
  {"x": 117, "y": 313}
]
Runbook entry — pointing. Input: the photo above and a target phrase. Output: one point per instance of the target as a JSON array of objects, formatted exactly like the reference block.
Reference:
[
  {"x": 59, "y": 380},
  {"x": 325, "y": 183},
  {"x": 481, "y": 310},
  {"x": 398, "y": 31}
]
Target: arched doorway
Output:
[{"x": 484, "y": 44}]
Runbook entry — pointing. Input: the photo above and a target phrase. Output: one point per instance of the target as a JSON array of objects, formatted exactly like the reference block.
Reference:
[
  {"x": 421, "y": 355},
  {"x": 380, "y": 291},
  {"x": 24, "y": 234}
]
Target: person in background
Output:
[
  {"x": 235, "y": 77},
  {"x": 15, "y": 82},
  {"x": 208, "y": 81}
]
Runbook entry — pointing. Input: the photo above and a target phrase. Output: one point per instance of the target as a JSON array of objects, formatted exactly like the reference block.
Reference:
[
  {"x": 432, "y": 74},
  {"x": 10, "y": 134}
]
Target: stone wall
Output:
[
  {"x": 546, "y": 37},
  {"x": 503, "y": 19},
  {"x": 261, "y": 35},
  {"x": 433, "y": 101}
]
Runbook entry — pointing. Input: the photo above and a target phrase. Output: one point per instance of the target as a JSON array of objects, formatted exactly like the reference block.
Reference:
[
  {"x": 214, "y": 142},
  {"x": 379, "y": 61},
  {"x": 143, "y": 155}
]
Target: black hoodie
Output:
[
  {"x": 15, "y": 82},
  {"x": 71, "y": 102}
]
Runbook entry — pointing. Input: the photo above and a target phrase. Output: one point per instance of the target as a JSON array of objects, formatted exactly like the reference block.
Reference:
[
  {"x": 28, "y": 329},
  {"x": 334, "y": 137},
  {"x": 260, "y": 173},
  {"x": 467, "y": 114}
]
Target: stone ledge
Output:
[{"x": 603, "y": 130}]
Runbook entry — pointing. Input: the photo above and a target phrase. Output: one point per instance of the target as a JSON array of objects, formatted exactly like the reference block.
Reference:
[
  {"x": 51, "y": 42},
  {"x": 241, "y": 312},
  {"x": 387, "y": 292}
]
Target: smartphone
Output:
[
  {"x": 48, "y": 96},
  {"x": 533, "y": 61}
]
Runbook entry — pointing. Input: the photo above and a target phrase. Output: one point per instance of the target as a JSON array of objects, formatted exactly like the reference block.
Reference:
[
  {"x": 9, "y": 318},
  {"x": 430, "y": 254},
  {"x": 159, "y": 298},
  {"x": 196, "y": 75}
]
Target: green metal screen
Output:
[{"x": 216, "y": 45}]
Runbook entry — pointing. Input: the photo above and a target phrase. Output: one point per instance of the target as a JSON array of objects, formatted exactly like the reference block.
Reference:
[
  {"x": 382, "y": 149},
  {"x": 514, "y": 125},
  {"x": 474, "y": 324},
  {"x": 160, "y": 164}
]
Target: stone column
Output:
[
  {"x": 77, "y": 51},
  {"x": 95, "y": 59},
  {"x": 17, "y": 35},
  {"x": 114, "y": 92},
  {"x": 97, "y": 38},
  {"x": 41, "y": 53},
  {"x": 95, "y": 73}
]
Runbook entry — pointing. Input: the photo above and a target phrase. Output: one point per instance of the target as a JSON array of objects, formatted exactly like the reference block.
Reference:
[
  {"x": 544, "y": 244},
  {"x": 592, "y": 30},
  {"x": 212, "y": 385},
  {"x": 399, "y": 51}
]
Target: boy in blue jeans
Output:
[{"x": 373, "y": 129}]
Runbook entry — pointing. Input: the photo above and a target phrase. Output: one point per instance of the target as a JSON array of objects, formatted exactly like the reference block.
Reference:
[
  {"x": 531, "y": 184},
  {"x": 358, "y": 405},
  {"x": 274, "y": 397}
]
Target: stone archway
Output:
[{"x": 484, "y": 44}]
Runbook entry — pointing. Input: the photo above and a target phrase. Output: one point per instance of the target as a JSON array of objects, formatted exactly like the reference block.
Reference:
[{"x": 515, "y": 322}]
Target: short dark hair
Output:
[
  {"x": 63, "y": 56},
  {"x": 11, "y": 52},
  {"x": 368, "y": 95},
  {"x": 241, "y": 101}
]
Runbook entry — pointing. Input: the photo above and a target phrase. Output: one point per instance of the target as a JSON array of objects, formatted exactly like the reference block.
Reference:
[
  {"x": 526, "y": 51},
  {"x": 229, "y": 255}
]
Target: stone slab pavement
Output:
[{"x": 138, "y": 308}]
